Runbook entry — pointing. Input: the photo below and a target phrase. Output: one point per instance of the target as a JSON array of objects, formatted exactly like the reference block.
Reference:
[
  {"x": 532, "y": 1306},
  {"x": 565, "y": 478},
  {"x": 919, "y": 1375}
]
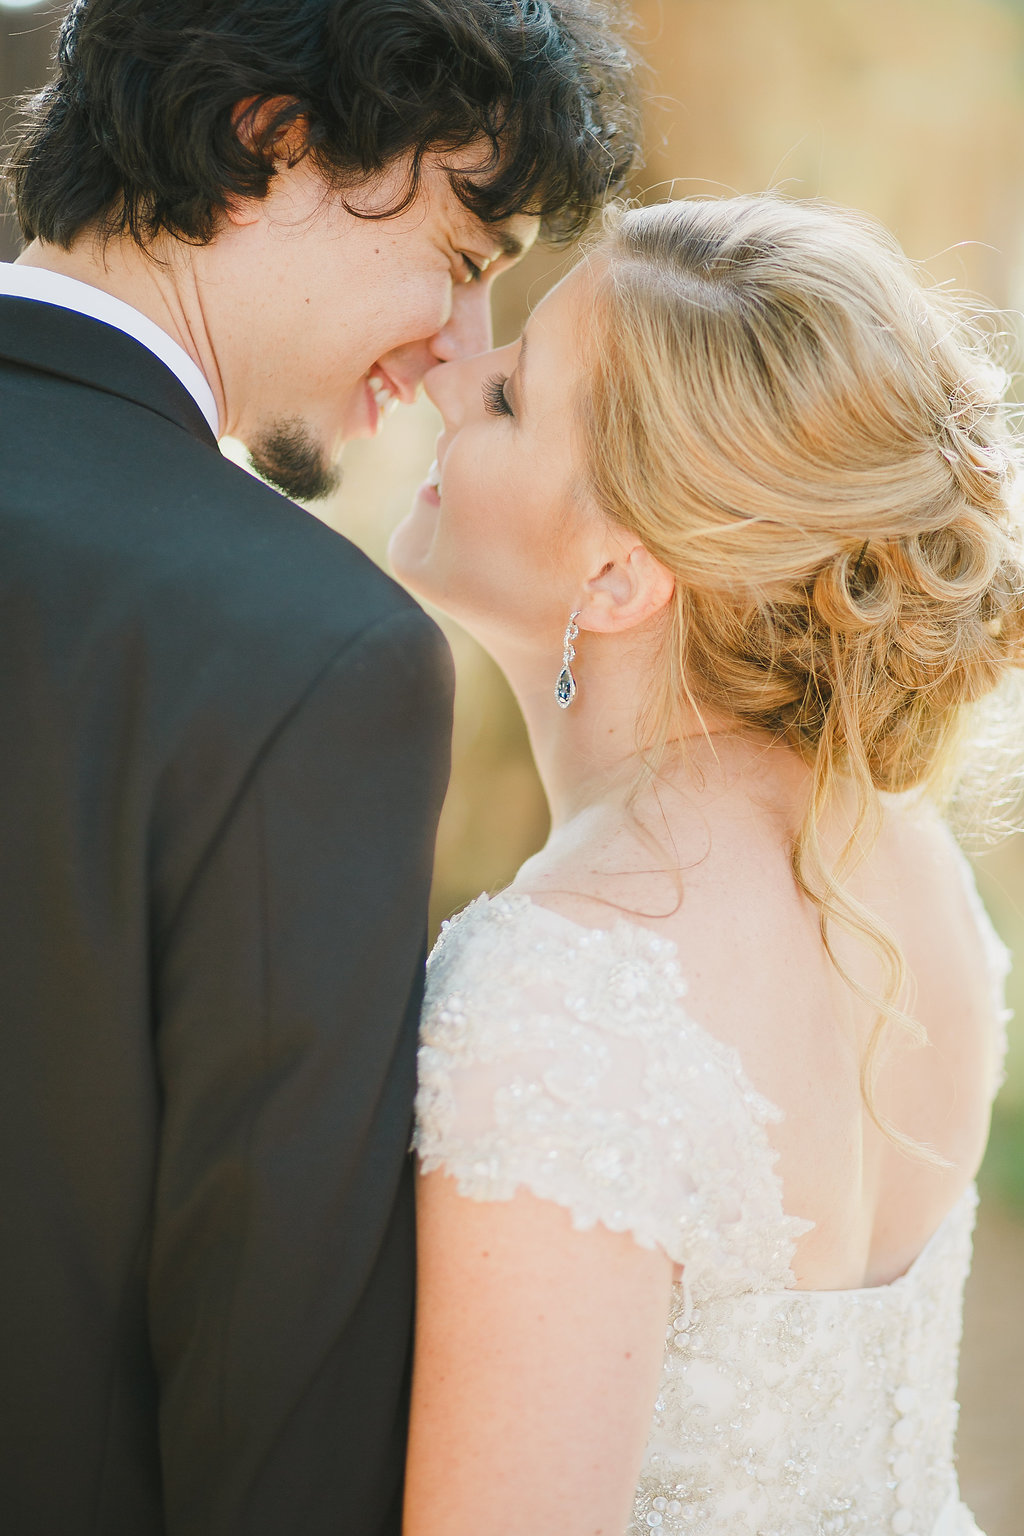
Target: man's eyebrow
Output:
[{"x": 507, "y": 243}]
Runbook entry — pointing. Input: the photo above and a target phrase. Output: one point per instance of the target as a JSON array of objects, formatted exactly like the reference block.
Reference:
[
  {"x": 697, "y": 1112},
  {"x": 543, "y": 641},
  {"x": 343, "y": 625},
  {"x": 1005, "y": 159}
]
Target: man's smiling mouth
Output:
[{"x": 383, "y": 391}]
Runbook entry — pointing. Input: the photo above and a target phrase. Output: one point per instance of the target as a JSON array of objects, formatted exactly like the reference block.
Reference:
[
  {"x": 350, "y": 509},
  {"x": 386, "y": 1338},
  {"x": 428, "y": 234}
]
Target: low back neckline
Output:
[{"x": 666, "y": 952}]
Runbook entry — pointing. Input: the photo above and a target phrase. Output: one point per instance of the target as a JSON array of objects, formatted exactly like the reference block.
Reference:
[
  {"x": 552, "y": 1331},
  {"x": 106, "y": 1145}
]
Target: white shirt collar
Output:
[{"x": 37, "y": 283}]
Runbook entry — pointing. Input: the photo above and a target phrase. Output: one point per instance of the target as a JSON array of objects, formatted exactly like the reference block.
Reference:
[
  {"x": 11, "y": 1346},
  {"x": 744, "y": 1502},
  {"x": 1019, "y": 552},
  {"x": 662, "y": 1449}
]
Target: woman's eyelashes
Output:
[{"x": 495, "y": 402}]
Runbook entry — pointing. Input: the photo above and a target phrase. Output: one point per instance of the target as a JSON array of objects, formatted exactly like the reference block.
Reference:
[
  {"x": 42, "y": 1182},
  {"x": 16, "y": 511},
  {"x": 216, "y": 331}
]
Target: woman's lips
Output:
[{"x": 430, "y": 490}]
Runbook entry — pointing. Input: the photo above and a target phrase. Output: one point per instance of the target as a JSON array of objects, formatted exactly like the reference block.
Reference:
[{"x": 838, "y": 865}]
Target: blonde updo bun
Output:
[{"x": 816, "y": 445}]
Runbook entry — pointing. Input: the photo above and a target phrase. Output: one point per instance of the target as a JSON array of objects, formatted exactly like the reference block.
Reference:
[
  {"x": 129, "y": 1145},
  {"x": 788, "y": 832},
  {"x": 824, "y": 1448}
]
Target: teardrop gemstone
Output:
[{"x": 565, "y": 688}]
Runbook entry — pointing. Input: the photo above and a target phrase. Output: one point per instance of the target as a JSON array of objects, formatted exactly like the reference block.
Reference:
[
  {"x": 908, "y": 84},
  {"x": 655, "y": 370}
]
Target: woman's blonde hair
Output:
[{"x": 815, "y": 445}]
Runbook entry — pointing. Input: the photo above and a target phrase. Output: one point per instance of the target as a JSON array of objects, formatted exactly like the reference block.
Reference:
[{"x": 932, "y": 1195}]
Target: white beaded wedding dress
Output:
[{"x": 562, "y": 1059}]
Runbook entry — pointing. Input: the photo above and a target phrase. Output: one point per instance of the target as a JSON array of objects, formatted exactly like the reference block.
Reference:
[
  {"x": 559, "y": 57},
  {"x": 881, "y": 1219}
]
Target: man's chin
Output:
[{"x": 291, "y": 458}]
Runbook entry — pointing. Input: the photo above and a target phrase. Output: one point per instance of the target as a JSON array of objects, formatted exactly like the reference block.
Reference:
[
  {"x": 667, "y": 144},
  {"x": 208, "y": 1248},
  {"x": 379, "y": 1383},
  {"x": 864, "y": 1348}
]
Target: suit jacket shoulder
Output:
[{"x": 153, "y": 592}]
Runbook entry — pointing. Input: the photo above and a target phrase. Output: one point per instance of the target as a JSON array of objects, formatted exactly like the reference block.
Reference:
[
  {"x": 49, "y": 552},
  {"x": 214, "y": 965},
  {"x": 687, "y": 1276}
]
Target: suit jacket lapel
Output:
[{"x": 71, "y": 346}]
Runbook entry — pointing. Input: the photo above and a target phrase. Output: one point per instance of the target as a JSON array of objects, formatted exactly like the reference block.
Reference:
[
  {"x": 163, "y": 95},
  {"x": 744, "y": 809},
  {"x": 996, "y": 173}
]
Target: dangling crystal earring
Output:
[{"x": 565, "y": 688}]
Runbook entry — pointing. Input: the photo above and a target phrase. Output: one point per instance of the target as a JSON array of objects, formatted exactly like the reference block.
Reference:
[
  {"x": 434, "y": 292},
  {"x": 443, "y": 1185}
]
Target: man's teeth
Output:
[
  {"x": 383, "y": 394},
  {"x": 434, "y": 476}
]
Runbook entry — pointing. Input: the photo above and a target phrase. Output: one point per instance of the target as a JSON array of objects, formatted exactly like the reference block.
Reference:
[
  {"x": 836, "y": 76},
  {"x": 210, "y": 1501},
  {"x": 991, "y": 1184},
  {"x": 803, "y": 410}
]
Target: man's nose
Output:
[
  {"x": 468, "y": 329},
  {"x": 441, "y": 389}
]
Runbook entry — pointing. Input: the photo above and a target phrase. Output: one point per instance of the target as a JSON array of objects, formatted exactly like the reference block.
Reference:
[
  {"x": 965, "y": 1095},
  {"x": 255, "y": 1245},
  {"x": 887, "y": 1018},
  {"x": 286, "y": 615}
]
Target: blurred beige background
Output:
[{"x": 914, "y": 111}]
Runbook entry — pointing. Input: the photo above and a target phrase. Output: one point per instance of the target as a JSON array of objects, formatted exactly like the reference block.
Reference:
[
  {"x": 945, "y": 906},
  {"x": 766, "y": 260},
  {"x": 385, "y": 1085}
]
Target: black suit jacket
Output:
[{"x": 223, "y": 749}]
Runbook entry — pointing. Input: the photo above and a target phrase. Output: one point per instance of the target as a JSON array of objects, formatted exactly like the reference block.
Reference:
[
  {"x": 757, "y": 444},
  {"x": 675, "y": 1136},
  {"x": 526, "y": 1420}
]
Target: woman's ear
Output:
[{"x": 628, "y": 589}]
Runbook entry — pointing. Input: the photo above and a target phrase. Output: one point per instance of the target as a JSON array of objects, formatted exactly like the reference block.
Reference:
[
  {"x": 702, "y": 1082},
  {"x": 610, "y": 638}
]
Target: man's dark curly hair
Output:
[{"x": 138, "y": 132}]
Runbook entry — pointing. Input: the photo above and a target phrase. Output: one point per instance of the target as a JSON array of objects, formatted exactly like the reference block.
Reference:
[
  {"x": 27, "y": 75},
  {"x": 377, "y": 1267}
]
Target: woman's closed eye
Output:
[{"x": 495, "y": 402}]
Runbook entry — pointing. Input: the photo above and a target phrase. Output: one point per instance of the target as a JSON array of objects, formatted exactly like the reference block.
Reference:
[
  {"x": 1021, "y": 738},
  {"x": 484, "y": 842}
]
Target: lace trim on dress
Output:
[{"x": 561, "y": 1059}]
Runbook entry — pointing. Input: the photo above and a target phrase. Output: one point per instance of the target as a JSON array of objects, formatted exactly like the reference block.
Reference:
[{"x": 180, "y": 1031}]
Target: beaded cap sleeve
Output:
[{"x": 561, "y": 1059}]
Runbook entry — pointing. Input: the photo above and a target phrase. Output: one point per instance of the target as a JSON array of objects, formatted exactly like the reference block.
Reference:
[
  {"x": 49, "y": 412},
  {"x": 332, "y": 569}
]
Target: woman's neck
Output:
[{"x": 589, "y": 754}]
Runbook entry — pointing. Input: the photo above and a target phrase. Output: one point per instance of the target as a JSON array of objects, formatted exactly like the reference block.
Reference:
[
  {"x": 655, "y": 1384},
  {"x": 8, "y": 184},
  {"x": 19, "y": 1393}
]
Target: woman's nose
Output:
[{"x": 457, "y": 388}]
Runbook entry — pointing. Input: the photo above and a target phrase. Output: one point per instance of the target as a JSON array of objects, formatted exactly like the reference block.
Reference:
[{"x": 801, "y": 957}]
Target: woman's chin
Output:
[
  {"x": 415, "y": 560},
  {"x": 406, "y": 551},
  {"x": 409, "y": 552}
]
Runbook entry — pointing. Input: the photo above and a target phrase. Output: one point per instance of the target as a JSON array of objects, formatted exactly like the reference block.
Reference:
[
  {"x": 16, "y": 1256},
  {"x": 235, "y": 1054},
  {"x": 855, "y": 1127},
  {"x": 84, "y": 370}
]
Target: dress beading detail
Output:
[{"x": 562, "y": 1060}]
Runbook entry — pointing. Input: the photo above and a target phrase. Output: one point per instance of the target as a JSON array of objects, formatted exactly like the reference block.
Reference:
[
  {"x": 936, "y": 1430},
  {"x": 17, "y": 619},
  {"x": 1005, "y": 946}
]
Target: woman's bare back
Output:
[{"x": 758, "y": 978}]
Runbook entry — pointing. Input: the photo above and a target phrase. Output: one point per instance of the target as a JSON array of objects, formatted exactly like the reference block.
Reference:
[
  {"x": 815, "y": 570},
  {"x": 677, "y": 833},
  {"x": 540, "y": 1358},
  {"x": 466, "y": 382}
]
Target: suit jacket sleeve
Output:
[{"x": 287, "y": 1002}]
